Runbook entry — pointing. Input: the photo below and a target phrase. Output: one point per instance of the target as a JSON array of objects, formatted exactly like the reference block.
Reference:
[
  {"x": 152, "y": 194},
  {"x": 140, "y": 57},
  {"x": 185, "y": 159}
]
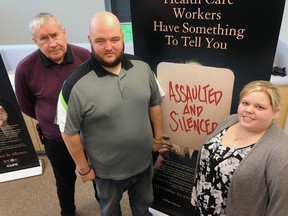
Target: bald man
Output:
[{"x": 114, "y": 101}]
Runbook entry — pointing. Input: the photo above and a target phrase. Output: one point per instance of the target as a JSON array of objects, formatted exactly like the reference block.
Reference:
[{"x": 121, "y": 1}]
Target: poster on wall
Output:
[
  {"x": 18, "y": 158},
  {"x": 235, "y": 39}
]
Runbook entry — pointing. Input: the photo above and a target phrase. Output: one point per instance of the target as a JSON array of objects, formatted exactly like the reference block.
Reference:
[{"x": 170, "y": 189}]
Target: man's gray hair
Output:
[{"x": 41, "y": 19}]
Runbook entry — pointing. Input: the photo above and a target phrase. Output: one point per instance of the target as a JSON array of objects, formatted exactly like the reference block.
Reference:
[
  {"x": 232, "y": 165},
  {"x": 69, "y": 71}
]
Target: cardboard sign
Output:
[{"x": 196, "y": 99}]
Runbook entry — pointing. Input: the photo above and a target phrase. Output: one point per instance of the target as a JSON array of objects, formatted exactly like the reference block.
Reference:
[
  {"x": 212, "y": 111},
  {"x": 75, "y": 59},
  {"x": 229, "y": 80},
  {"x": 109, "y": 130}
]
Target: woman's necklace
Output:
[{"x": 247, "y": 137}]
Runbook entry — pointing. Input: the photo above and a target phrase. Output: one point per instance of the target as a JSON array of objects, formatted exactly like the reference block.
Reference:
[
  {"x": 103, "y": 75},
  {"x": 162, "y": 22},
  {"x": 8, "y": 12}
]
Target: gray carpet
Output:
[{"x": 36, "y": 196}]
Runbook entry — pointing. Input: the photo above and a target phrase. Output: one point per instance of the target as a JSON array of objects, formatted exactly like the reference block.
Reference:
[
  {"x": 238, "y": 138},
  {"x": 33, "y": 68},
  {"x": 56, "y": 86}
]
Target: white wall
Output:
[
  {"x": 281, "y": 56},
  {"x": 75, "y": 15},
  {"x": 283, "y": 36}
]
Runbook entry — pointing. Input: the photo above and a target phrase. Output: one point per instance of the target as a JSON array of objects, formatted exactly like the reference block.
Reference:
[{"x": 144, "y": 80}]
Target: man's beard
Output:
[{"x": 104, "y": 63}]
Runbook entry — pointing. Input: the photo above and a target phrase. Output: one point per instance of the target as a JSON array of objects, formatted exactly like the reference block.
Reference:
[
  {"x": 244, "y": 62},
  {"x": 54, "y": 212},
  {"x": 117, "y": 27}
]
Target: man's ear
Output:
[
  {"x": 89, "y": 39},
  {"x": 34, "y": 40}
]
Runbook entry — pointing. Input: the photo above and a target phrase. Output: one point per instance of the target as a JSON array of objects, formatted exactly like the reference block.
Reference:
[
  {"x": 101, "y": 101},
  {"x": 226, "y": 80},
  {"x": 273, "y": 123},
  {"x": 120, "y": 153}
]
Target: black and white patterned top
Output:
[{"x": 216, "y": 167}]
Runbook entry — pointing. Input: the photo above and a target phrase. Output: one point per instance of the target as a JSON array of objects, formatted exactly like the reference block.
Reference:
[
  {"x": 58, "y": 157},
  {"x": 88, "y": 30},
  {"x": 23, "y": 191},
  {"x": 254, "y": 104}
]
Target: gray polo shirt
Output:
[{"x": 112, "y": 114}]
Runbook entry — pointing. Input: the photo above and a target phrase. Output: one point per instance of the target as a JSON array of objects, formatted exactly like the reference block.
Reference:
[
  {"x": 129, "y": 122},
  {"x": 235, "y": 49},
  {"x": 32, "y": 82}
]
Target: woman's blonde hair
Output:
[{"x": 263, "y": 86}]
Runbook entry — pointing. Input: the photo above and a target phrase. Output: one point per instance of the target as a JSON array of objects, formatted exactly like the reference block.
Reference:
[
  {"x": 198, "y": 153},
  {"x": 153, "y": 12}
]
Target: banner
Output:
[
  {"x": 235, "y": 39},
  {"x": 18, "y": 158}
]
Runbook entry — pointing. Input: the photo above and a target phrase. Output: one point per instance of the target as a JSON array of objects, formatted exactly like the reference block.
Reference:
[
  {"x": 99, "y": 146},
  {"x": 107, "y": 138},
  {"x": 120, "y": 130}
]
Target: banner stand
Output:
[
  {"x": 18, "y": 158},
  {"x": 157, "y": 213},
  {"x": 23, "y": 173},
  {"x": 203, "y": 53}
]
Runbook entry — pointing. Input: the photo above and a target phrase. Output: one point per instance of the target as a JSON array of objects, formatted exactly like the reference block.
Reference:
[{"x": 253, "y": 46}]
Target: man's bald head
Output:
[{"x": 103, "y": 20}]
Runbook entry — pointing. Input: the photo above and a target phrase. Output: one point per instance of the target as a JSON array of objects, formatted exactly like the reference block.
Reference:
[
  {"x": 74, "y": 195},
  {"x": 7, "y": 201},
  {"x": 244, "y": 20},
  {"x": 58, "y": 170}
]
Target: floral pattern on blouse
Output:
[{"x": 216, "y": 167}]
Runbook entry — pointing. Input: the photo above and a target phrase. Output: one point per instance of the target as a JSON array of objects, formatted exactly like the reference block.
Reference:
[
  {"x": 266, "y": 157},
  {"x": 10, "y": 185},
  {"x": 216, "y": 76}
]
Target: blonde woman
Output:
[{"x": 243, "y": 166}]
